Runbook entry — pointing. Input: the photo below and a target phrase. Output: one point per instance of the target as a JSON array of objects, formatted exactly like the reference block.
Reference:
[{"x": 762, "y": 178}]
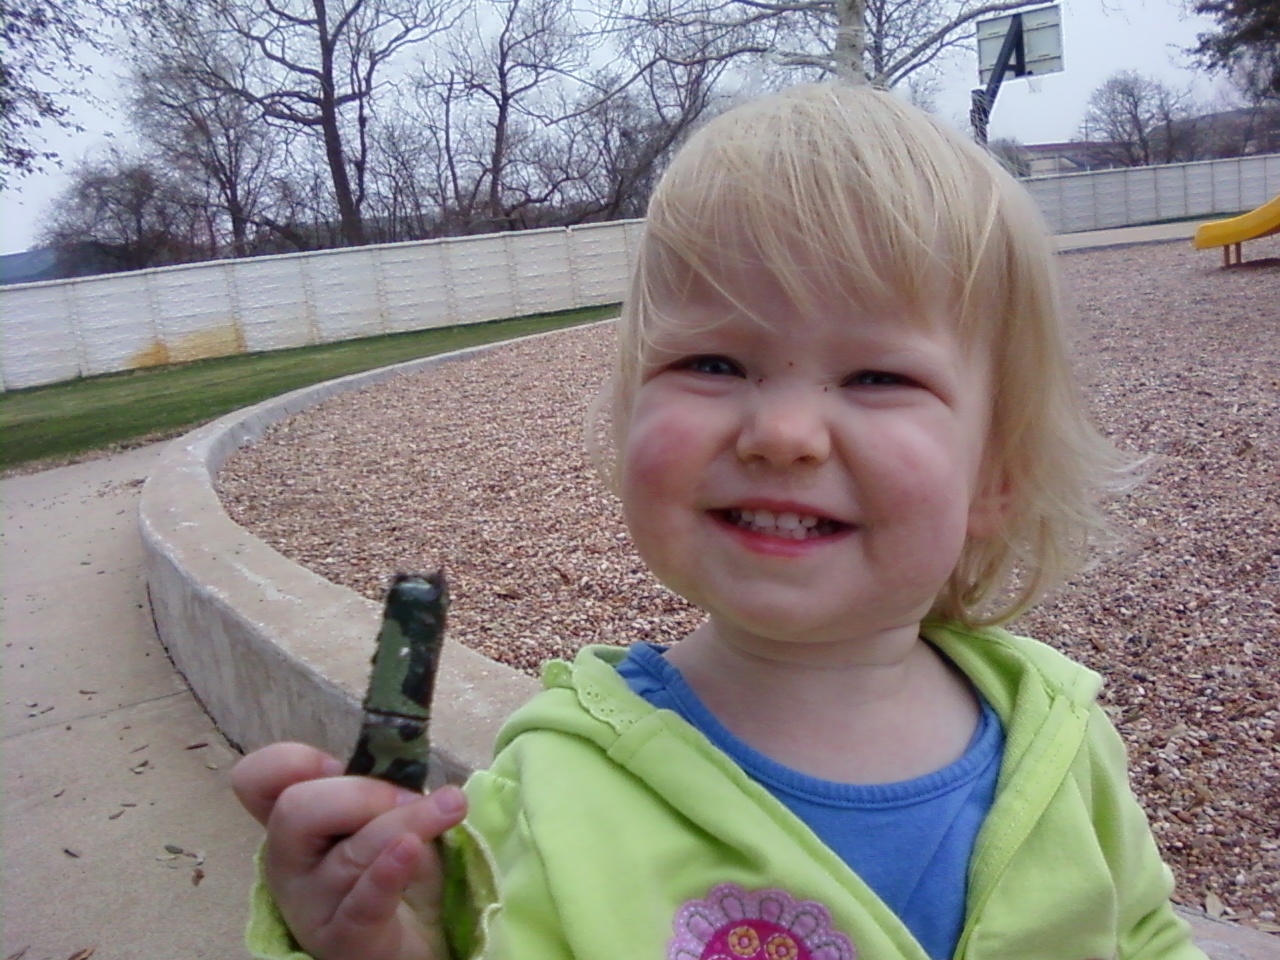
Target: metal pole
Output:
[{"x": 983, "y": 100}]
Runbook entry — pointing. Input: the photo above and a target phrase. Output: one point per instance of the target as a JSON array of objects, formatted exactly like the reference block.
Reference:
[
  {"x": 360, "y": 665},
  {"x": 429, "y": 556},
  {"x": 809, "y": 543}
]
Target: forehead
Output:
[{"x": 741, "y": 284}]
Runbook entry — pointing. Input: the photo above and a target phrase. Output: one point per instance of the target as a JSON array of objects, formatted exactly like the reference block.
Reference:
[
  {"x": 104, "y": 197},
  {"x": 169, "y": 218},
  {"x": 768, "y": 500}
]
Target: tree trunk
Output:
[
  {"x": 352, "y": 226},
  {"x": 850, "y": 42}
]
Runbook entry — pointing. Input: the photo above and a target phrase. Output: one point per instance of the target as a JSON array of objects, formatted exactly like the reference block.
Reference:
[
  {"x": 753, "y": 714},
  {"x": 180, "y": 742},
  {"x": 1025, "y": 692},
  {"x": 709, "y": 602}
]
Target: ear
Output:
[{"x": 991, "y": 504}]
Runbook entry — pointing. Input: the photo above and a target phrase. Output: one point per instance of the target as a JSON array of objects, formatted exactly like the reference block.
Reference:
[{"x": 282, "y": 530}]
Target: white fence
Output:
[
  {"x": 78, "y": 328},
  {"x": 1118, "y": 198}
]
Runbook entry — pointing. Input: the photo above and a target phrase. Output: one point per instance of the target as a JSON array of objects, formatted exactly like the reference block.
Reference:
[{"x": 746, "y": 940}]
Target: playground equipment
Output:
[
  {"x": 1262, "y": 222},
  {"x": 1025, "y": 44}
]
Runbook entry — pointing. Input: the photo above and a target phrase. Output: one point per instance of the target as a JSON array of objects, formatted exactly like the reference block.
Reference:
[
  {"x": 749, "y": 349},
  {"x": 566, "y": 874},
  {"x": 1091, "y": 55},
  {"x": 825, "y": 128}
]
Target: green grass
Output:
[{"x": 63, "y": 420}]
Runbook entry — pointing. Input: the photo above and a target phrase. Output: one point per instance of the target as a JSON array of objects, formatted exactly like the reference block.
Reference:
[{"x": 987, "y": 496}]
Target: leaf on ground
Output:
[
  {"x": 84, "y": 954},
  {"x": 1214, "y": 906}
]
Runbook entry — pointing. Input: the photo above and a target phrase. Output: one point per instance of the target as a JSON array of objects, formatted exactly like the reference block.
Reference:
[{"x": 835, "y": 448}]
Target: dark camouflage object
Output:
[{"x": 394, "y": 744}]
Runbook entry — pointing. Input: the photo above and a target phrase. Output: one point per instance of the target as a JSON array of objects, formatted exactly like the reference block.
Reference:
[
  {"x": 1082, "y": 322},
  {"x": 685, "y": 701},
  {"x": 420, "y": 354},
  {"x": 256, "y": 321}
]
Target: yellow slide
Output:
[{"x": 1262, "y": 222}]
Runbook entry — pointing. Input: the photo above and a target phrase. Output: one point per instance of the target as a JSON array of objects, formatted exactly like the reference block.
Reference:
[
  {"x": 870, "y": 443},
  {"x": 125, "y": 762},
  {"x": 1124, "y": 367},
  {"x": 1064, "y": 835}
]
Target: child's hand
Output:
[{"x": 349, "y": 860}]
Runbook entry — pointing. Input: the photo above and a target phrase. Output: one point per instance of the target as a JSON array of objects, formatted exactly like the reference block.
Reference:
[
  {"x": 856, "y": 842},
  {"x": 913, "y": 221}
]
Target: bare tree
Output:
[
  {"x": 502, "y": 110},
  {"x": 130, "y": 214},
  {"x": 882, "y": 42},
  {"x": 318, "y": 67},
  {"x": 627, "y": 138},
  {"x": 401, "y": 203},
  {"x": 524, "y": 134},
  {"x": 1135, "y": 120},
  {"x": 212, "y": 138},
  {"x": 42, "y": 72},
  {"x": 1012, "y": 156}
]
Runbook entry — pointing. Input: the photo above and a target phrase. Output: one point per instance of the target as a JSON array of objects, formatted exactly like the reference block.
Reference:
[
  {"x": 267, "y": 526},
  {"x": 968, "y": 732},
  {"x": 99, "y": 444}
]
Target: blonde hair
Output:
[{"x": 848, "y": 189}]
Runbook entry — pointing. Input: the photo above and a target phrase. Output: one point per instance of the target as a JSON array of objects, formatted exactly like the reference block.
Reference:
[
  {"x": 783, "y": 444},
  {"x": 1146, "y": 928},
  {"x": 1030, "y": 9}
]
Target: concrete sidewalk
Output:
[
  {"x": 108, "y": 757},
  {"x": 1122, "y": 236}
]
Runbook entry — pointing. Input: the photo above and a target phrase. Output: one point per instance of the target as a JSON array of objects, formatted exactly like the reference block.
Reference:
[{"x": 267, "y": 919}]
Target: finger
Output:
[
  {"x": 423, "y": 817},
  {"x": 310, "y": 817},
  {"x": 407, "y": 870},
  {"x": 377, "y": 895},
  {"x": 260, "y": 777}
]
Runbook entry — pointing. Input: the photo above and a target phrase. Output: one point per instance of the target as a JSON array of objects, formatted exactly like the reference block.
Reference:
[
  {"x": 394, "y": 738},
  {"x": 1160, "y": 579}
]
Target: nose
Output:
[{"x": 784, "y": 428}]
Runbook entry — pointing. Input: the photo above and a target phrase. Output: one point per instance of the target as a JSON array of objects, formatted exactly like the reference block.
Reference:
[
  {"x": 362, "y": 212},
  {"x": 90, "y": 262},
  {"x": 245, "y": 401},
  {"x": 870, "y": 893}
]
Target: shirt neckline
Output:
[{"x": 983, "y": 748}]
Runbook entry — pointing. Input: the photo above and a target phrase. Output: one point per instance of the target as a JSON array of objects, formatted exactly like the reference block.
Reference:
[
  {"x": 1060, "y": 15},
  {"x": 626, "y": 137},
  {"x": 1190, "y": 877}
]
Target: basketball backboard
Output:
[{"x": 1042, "y": 40}]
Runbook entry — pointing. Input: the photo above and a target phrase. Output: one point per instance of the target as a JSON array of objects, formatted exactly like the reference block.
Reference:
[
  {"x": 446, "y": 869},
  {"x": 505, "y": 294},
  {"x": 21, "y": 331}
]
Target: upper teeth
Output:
[{"x": 789, "y": 524}]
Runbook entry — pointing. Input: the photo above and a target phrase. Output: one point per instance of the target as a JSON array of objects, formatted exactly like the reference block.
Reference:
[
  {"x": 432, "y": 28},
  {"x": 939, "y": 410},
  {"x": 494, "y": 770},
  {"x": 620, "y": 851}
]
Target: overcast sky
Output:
[{"x": 1099, "y": 38}]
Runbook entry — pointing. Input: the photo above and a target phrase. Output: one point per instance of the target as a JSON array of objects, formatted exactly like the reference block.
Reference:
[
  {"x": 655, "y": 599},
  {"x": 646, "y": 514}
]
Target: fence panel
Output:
[
  {"x": 1200, "y": 191},
  {"x": 479, "y": 277},
  {"x": 275, "y": 311},
  {"x": 194, "y": 315},
  {"x": 1260, "y": 181},
  {"x": 1103, "y": 199},
  {"x": 415, "y": 295},
  {"x": 600, "y": 265},
  {"x": 117, "y": 324},
  {"x": 38, "y": 336},
  {"x": 542, "y": 272},
  {"x": 1110, "y": 203},
  {"x": 342, "y": 286}
]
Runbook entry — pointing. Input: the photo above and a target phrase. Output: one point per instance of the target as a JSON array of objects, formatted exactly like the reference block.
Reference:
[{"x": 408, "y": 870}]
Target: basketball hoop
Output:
[{"x": 1022, "y": 44}]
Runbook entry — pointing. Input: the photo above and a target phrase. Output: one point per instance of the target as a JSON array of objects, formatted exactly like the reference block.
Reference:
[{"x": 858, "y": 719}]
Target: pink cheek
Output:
[
  {"x": 923, "y": 482},
  {"x": 658, "y": 455}
]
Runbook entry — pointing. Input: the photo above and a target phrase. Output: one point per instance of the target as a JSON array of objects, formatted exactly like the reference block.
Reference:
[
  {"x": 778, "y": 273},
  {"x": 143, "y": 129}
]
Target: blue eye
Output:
[{"x": 713, "y": 365}]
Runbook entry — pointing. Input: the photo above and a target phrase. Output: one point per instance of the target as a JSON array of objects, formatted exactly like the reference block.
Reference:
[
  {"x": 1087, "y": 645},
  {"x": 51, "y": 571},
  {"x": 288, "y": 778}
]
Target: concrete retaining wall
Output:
[{"x": 274, "y": 651}]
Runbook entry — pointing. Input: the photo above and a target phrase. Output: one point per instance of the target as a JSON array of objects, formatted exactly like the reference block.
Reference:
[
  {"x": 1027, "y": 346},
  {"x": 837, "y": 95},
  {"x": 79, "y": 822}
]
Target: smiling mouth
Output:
[{"x": 789, "y": 526}]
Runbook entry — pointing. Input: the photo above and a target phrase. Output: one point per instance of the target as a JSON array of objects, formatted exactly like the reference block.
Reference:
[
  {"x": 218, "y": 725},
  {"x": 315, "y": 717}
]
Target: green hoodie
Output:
[{"x": 609, "y": 829}]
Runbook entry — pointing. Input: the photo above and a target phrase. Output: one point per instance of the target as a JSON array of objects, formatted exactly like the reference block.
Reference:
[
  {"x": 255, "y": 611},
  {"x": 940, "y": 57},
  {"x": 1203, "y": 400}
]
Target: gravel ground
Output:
[{"x": 479, "y": 467}]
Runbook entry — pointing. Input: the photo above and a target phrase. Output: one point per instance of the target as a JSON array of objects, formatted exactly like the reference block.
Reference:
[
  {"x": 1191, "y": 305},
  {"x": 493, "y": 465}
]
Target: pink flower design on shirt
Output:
[{"x": 731, "y": 923}]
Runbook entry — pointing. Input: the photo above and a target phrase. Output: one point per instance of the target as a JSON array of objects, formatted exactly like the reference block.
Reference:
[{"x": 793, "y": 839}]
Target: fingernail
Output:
[
  {"x": 331, "y": 767},
  {"x": 450, "y": 801}
]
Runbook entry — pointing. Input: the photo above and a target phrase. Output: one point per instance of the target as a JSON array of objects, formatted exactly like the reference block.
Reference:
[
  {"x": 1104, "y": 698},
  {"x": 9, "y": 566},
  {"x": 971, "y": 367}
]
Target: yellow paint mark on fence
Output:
[{"x": 222, "y": 341}]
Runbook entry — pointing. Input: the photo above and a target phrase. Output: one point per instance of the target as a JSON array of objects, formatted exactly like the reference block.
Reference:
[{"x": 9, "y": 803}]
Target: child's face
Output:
[{"x": 810, "y": 483}]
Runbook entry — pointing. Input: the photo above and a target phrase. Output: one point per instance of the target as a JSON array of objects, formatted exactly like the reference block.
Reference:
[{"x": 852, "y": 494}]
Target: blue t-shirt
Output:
[{"x": 909, "y": 841}]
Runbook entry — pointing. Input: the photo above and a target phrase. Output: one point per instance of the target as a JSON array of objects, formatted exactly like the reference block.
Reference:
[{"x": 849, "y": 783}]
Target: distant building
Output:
[
  {"x": 1077, "y": 156},
  {"x": 1212, "y": 136}
]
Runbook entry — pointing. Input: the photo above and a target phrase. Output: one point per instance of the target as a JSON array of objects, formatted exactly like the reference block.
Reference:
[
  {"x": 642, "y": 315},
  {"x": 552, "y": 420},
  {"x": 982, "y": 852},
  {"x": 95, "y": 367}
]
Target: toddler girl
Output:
[{"x": 844, "y": 426}]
